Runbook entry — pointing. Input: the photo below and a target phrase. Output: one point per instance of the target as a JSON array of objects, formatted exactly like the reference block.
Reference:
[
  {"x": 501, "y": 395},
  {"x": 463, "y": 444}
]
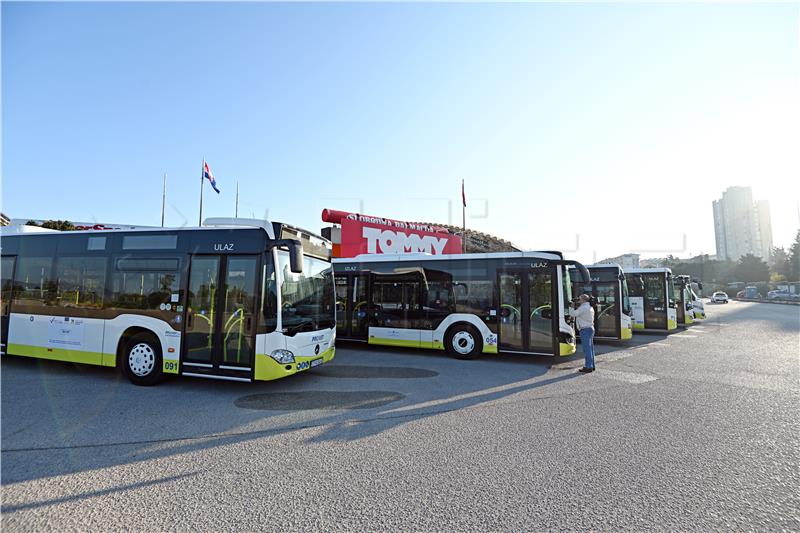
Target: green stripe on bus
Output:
[
  {"x": 57, "y": 354},
  {"x": 435, "y": 345},
  {"x": 405, "y": 343}
]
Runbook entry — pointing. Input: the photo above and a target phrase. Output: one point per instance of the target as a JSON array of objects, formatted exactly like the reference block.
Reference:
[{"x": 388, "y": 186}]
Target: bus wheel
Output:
[
  {"x": 142, "y": 360},
  {"x": 463, "y": 341}
]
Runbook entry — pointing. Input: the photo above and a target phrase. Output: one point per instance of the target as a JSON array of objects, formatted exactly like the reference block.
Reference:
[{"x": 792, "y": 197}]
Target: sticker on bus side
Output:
[{"x": 170, "y": 367}]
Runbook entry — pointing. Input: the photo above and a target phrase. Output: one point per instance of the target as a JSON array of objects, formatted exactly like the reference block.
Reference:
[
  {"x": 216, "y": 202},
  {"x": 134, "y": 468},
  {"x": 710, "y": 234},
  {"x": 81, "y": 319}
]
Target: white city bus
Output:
[
  {"x": 698, "y": 309},
  {"x": 237, "y": 300},
  {"x": 652, "y": 294},
  {"x": 613, "y": 317},
  {"x": 684, "y": 303},
  {"x": 466, "y": 304}
]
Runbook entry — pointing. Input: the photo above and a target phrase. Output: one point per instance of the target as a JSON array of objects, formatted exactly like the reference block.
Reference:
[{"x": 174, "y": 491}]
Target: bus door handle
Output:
[
  {"x": 189, "y": 319},
  {"x": 248, "y": 323}
]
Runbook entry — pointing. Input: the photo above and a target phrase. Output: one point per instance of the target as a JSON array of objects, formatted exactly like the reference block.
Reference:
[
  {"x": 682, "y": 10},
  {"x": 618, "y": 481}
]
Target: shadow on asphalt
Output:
[
  {"x": 61, "y": 418},
  {"x": 101, "y": 420},
  {"x": 93, "y": 494}
]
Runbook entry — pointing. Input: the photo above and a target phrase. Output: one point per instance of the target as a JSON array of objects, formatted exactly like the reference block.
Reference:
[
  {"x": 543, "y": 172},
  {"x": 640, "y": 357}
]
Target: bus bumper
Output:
[{"x": 268, "y": 368}]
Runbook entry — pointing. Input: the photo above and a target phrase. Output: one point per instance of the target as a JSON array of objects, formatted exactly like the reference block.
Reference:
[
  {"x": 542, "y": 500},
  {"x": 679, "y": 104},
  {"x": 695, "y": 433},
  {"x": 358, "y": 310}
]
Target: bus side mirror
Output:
[{"x": 296, "y": 257}]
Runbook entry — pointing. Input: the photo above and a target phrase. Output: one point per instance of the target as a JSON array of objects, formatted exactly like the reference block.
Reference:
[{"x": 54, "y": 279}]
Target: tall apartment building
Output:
[{"x": 741, "y": 226}]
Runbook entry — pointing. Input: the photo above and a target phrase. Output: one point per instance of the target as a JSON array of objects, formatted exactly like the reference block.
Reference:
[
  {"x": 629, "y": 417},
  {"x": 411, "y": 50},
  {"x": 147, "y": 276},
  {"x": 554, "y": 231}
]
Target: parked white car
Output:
[
  {"x": 782, "y": 294},
  {"x": 719, "y": 297}
]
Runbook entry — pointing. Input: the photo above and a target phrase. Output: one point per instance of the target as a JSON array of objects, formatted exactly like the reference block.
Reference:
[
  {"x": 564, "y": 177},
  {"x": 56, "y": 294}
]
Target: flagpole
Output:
[
  {"x": 463, "y": 219},
  {"x": 163, "y": 199},
  {"x": 237, "y": 199},
  {"x": 202, "y": 177}
]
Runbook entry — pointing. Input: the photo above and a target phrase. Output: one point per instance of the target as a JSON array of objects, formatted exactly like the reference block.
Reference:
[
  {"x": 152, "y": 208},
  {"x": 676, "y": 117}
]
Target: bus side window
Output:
[
  {"x": 396, "y": 302},
  {"x": 33, "y": 284},
  {"x": 145, "y": 283},
  {"x": 474, "y": 297},
  {"x": 439, "y": 302},
  {"x": 81, "y": 281}
]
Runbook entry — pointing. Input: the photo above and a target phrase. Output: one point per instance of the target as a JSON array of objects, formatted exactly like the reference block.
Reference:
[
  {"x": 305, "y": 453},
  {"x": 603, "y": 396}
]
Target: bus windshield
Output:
[{"x": 307, "y": 301}]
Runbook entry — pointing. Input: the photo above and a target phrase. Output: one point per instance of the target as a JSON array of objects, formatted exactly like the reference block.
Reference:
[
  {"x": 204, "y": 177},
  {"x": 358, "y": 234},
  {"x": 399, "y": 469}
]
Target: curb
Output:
[{"x": 764, "y": 301}]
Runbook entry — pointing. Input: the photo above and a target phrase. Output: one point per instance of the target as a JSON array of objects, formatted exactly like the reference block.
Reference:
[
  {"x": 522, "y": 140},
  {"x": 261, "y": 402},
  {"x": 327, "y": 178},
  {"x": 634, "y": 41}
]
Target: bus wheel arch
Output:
[
  {"x": 139, "y": 354},
  {"x": 463, "y": 340}
]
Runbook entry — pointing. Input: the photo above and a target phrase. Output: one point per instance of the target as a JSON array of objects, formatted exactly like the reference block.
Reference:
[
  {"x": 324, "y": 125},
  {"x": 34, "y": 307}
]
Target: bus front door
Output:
[
  {"x": 352, "y": 317},
  {"x": 220, "y": 323},
  {"x": 6, "y": 283},
  {"x": 607, "y": 310},
  {"x": 526, "y": 313},
  {"x": 655, "y": 304}
]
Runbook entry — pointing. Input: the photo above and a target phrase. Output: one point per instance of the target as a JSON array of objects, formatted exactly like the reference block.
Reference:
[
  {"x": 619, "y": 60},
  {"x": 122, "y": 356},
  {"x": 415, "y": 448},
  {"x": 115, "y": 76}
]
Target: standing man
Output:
[{"x": 584, "y": 323}]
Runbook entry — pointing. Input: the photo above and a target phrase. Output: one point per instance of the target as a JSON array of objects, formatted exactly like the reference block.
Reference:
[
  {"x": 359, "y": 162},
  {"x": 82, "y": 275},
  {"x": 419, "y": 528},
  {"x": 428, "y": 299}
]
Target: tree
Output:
[
  {"x": 60, "y": 225},
  {"x": 794, "y": 259},
  {"x": 670, "y": 261},
  {"x": 751, "y": 269},
  {"x": 781, "y": 262}
]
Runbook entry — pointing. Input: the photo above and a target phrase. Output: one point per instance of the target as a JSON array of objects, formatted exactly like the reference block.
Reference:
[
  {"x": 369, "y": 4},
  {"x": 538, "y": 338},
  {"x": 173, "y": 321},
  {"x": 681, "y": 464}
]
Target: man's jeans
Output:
[{"x": 587, "y": 344}]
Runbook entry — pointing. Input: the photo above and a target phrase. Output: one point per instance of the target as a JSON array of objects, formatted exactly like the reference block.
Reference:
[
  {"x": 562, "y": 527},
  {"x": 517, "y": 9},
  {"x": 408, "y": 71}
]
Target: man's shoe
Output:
[{"x": 586, "y": 370}]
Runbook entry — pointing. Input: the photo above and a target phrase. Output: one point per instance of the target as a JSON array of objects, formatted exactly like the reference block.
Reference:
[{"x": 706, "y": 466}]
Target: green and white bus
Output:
[
  {"x": 684, "y": 303},
  {"x": 613, "y": 316},
  {"x": 698, "y": 309},
  {"x": 466, "y": 304},
  {"x": 652, "y": 294},
  {"x": 238, "y": 300}
]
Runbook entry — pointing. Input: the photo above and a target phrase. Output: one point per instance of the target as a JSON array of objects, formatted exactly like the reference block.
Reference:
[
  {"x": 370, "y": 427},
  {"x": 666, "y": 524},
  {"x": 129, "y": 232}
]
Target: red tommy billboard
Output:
[{"x": 363, "y": 234}]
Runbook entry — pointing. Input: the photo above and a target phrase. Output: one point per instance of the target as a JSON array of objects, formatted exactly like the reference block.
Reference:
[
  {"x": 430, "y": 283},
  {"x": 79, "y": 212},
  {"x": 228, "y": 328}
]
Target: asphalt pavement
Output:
[{"x": 696, "y": 430}]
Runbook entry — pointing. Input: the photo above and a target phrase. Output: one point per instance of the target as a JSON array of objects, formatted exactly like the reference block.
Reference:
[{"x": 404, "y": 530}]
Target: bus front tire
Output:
[
  {"x": 464, "y": 342},
  {"x": 141, "y": 360}
]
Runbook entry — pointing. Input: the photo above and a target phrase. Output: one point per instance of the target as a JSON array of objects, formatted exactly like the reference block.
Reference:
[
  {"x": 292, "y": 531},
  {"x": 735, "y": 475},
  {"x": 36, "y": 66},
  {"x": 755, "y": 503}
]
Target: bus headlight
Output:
[{"x": 282, "y": 356}]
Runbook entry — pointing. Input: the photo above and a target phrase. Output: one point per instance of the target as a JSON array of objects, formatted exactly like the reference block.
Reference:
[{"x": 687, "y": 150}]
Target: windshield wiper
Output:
[{"x": 297, "y": 328}]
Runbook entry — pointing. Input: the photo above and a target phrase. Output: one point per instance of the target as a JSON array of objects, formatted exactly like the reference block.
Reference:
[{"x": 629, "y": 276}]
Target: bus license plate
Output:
[{"x": 316, "y": 362}]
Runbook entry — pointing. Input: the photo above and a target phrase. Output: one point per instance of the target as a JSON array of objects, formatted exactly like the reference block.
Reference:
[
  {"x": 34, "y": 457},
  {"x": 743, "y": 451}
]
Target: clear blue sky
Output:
[{"x": 564, "y": 120}]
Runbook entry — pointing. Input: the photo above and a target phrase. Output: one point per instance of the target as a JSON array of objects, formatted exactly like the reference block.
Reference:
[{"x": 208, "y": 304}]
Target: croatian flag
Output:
[{"x": 209, "y": 176}]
